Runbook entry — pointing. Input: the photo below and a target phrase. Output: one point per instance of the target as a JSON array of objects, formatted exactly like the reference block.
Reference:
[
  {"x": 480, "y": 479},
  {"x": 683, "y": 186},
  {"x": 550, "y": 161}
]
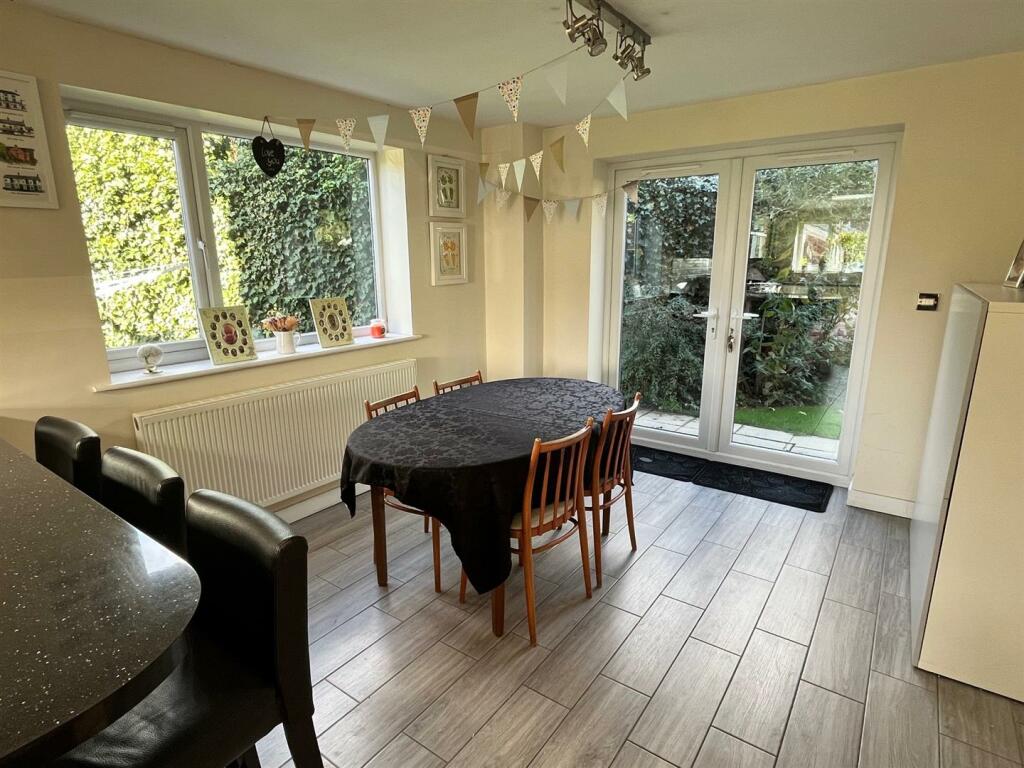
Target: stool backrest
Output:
[
  {"x": 451, "y": 386},
  {"x": 611, "y": 457},
  {"x": 71, "y": 451},
  {"x": 554, "y": 484},
  {"x": 389, "y": 404},
  {"x": 252, "y": 568},
  {"x": 147, "y": 493}
]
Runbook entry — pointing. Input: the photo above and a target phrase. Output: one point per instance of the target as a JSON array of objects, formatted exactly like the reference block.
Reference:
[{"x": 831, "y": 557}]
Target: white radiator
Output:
[{"x": 271, "y": 444}]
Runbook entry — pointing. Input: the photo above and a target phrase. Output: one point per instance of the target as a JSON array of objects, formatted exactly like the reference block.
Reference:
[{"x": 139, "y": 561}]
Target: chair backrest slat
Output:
[
  {"x": 391, "y": 403},
  {"x": 611, "y": 457},
  {"x": 454, "y": 384},
  {"x": 561, "y": 483}
]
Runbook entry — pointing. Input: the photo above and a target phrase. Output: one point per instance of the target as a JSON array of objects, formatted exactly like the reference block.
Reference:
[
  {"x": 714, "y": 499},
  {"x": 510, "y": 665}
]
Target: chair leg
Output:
[
  {"x": 606, "y": 517},
  {"x": 629, "y": 514},
  {"x": 426, "y": 523},
  {"x": 462, "y": 586},
  {"x": 597, "y": 543},
  {"x": 302, "y": 743},
  {"x": 526, "y": 550},
  {"x": 585, "y": 551},
  {"x": 435, "y": 534}
]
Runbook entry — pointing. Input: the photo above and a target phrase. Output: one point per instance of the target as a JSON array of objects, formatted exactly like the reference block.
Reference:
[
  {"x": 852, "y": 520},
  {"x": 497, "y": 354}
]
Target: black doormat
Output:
[{"x": 758, "y": 483}]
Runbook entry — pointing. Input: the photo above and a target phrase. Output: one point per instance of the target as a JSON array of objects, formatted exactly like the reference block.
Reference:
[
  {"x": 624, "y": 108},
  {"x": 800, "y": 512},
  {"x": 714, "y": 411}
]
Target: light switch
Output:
[{"x": 927, "y": 302}]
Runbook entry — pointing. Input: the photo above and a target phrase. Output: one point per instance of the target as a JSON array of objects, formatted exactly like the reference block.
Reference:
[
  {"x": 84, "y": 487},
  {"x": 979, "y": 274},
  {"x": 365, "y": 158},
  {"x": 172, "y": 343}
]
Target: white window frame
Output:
[{"x": 197, "y": 214}]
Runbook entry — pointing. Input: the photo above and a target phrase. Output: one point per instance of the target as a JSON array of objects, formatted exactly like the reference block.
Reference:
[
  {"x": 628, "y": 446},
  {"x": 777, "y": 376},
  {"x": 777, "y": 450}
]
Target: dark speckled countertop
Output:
[{"x": 89, "y": 608}]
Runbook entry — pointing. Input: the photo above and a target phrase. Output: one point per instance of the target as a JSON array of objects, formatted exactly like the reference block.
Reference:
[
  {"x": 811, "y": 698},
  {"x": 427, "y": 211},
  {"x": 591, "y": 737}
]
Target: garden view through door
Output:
[{"x": 669, "y": 321}]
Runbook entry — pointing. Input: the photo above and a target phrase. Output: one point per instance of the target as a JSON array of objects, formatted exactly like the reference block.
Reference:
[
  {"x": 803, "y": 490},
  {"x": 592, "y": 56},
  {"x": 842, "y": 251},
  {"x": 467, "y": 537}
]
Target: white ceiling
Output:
[{"x": 411, "y": 52}]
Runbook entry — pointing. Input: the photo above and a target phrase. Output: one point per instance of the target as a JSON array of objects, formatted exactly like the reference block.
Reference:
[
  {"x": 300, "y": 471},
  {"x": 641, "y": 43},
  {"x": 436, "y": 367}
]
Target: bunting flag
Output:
[
  {"x": 601, "y": 204},
  {"x": 378, "y": 129},
  {"x": 467, "y": 111},
  {"x": 530, "y": 206},
  {"x": 305, "y": 126},
  {"x": 632, "y": 191},
  {"x": 572, "y": 207},
  {"x": 484, "y": 188},
  {"x": 501, "y": 197},
  {"x": 583, "y": 129},
  {"x": 421, "y": 119},
  {"x": 503, "y": 172},
  {"x": 558, "y": 79},
  {"x": 485, "y": 168},
  {"x": 519, "y": 167},
  {"x": 345, "y": 128},
  {"x": 550, "y": 206},
  {"x": 510, "y": 90},
  {"x": 535, "y": 160},
  {"x": 617, "y": 98},
  {"x": 558, "y": 152}
]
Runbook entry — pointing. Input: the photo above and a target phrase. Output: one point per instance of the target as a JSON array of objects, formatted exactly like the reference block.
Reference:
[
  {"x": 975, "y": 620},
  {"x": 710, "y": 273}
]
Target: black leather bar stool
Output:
[
  {"x": 247, "y": 669},
  {"x": 70, "y": 450},
  {"x": 146, "y": 492}
]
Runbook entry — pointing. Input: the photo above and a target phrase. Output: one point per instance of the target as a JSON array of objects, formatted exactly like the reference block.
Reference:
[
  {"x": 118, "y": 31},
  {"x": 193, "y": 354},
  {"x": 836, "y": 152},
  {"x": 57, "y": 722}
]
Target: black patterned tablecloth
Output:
[{"x": 463, "y": 458}]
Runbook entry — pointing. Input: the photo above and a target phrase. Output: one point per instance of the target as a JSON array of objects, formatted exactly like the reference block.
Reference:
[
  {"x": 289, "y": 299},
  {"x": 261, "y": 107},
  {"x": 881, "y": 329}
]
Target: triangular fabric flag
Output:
[
  {"x": 501, "y": 197},
  {"x": 558, "y": 79},
  {"x": 467, "y": 111},
  {"x": 530, "y": 206},
  {"x": 510, "y": 90},
  {"x": 583, "y": 129},
  {"x": 601, "y": 204},
  {"x": 536, "y": 159},
  {"x": 421, "y": 119},
  {"x": 305, "y": 126},
  {"x": 632, "y": 191},
  {"x": 617, "y": 98},
  {"x": 378, "y": 129},
  {"x": 558, "y": 152},
  {"x": 550, "y": 206},
  {"x": 485, "y": 168},
  {"x": 503, "y": 172},
  {"x": 345, "y": 128},
  {"x": 484, "y": 188},
  {"x": 519, "y": 166},
  {"x": 572, "y": 207}
]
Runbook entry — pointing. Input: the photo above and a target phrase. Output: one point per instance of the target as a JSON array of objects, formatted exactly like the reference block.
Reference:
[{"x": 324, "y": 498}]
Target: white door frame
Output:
[{"x": 736, "y": 175}]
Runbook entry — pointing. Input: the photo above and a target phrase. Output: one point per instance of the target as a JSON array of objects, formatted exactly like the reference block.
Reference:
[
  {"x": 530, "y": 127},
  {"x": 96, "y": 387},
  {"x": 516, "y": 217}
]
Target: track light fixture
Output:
[{"x": 630, "y": 41}]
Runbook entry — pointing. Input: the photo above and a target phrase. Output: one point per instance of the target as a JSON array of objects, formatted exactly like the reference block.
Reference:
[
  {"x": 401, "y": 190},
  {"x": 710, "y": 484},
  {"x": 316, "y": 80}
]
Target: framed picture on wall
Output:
[
  {"x": 447, "y": 179},
  {"x": 448, "y": 253},
  {"x": 25, "y": 170}
]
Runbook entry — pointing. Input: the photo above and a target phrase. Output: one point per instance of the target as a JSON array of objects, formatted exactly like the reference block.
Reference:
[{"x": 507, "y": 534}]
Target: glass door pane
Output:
[
  {"x": 667, "y": 316},
  {"x": 794, "y": 325}
]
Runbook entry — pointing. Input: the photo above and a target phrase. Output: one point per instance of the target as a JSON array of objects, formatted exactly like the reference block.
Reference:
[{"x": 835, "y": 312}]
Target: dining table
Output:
[
  {"x": 92, "y": 613},
  {"x": 463, "y": 458}
]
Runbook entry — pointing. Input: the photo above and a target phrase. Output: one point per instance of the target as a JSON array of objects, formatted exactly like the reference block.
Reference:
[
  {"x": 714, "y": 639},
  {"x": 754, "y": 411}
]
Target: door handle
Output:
[
  {"x": 711, "y": 315},
  {"x": 744, "y": 315},
  {"x": 707, "y": 314}
]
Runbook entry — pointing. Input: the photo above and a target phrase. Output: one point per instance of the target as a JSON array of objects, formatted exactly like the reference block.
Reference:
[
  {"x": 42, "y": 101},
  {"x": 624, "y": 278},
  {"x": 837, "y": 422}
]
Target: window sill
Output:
[{"x": 197, "y": 368}]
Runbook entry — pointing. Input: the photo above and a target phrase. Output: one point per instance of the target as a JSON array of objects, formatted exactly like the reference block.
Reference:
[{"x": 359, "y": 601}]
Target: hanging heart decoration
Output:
[{"x": 269, "y": 155}]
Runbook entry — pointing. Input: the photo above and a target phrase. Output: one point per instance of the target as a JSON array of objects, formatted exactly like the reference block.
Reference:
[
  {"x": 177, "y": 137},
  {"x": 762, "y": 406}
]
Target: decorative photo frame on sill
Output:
[
  {"x": 1015, "y": 277},
  {"x": 228, "y": 334},
  {"x": 447, "y": 180},
  {"x": 332, "y": 321},
  {"x": 448, "y": 253},
  {"x": 26, "y": 174}
]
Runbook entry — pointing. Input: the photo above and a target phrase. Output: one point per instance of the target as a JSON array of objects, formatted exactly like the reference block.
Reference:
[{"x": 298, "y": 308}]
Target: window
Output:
[{"x": 178, "y": 217}]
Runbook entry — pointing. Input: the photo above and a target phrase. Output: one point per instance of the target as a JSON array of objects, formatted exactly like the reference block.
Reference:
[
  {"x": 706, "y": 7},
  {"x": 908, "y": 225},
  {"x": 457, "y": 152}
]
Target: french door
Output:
[{"x": 742, "y": 290}]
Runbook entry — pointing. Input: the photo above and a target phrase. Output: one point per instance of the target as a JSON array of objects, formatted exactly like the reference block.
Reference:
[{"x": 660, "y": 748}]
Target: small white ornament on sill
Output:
[{"x": 150, "y": 356}]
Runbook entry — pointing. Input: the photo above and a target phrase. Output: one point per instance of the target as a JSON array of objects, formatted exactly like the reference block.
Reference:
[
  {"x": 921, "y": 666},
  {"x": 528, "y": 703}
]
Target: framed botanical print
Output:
[
  {"x": 447, "y": 178},
  {"x": 332, "y": 321},
  {"x": 228, "y": 334},
  {"x": 448, "y": 253}
]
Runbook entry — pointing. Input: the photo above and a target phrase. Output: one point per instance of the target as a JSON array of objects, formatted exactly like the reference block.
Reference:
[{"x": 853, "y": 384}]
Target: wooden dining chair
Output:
[
  {"x": 430, "y": 524},
  {"x": 611, "y": 476},
  {"x": 552, "y": 499},
  {"x": 451, "y": 386}
]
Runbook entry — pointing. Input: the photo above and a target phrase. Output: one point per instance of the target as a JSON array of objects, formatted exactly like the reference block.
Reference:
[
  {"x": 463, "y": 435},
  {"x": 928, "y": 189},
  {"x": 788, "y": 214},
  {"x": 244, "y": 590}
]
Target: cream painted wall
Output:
[
  {"x": 958, "y": 216},
  {"x": 53, "y": 355}
]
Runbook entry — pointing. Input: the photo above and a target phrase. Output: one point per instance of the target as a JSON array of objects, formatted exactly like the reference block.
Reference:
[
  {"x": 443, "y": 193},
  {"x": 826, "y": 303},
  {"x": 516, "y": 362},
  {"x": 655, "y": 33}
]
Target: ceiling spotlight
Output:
[
  {"x": 589, "y": 29},
  {"x": 629, "y": 53}
]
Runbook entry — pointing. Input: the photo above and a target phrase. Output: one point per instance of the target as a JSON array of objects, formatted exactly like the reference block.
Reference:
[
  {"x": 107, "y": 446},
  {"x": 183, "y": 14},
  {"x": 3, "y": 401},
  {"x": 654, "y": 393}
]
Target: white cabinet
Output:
[{"x": 967, "y": 532}]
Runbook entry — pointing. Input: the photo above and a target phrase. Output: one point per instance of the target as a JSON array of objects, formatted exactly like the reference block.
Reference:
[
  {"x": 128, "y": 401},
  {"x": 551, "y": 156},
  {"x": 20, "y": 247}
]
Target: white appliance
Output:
[{"x": 967, "y": 532}]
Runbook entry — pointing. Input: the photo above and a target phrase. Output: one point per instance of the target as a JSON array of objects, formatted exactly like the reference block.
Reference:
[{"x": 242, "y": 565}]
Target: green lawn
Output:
[{"x": 817, "y": 420}]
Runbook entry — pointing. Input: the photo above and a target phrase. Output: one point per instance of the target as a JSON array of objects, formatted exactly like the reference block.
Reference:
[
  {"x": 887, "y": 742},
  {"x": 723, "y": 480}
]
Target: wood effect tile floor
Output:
[{"x": 740, "y": 633}]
